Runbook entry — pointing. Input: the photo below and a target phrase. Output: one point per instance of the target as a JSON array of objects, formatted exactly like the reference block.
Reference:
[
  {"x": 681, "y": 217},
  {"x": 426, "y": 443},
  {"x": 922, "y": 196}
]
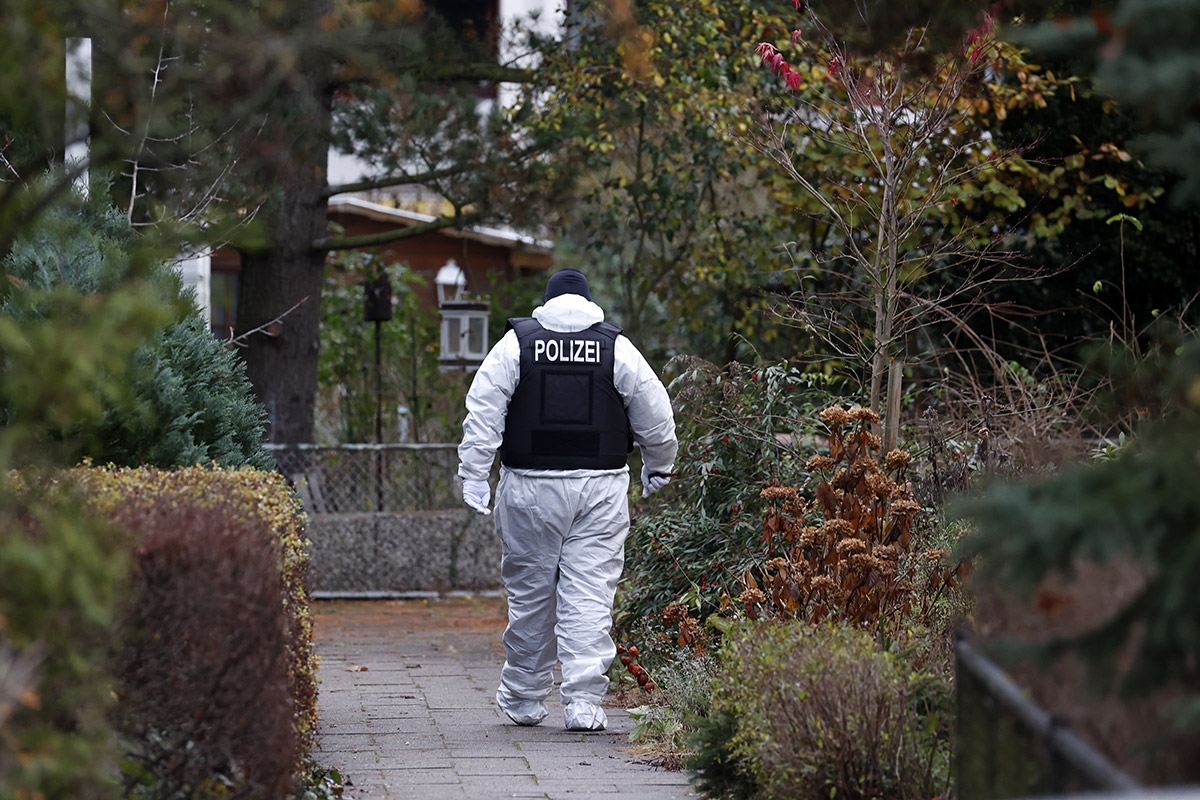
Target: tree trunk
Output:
[
  {"x": 889, "y": 289},
  {"x": 282, "y": 363}
]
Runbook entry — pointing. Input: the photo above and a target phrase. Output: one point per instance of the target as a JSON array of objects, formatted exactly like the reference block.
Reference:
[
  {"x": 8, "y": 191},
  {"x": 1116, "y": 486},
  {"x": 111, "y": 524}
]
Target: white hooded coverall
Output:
[{"x": 562, "y": 532}]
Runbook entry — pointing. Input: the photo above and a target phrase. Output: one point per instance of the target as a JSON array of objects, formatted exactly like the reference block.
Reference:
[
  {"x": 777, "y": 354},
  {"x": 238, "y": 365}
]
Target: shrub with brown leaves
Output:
[
  {"x": 205, "y": 704},
  {"x": 846, "y": 553}
]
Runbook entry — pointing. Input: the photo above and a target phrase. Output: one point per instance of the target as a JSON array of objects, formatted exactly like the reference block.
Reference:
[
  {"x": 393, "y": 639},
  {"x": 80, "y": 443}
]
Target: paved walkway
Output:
[{"x": 407, "y": 711}]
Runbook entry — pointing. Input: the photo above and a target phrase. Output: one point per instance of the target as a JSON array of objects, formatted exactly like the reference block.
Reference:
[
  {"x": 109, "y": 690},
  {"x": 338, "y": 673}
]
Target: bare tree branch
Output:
[
  {"x": 9, "y": 165},
  {"x": 267, "y": 328}
]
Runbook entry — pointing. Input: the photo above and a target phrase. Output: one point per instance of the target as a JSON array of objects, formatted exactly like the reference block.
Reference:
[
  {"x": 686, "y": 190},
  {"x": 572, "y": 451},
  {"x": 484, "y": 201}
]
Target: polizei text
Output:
[{"x": 583, "y": 351}]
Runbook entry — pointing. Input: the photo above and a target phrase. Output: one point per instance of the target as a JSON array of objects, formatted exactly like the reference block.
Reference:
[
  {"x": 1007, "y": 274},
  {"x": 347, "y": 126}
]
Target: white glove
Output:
[
  {"x": 653, "y": 481},
  {"x": 477, "y": 494}
]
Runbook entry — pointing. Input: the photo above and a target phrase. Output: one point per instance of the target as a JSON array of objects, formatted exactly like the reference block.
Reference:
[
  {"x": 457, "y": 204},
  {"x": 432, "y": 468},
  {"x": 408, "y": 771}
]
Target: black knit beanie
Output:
[{"x": 568, "y": 281}]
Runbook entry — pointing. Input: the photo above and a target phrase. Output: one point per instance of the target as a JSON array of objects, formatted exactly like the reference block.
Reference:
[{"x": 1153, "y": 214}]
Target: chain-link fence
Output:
[
  {"x": 351, "y": 478},
  {"x": 1007, "y": 746}
]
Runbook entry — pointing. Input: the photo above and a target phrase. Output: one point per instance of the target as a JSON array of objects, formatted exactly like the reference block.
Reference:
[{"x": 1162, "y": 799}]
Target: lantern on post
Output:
[
  {"x": 451, "y": 283},
  {"x": 464, "y": 340}
]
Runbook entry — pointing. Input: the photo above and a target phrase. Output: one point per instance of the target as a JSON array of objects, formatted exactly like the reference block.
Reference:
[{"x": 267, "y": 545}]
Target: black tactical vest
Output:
[{"x": 566, "y": 412}]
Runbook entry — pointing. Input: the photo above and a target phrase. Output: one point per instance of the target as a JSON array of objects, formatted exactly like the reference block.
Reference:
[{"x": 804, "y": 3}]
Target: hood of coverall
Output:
[{"x": 568, "y": 313}]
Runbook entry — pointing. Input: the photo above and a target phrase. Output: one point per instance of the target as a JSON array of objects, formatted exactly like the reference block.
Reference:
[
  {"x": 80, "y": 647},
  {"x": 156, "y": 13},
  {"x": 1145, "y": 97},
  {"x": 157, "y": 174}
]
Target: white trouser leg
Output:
[
  {"x": 529, "y": 568},
  {"x": 592, "y": 559}
]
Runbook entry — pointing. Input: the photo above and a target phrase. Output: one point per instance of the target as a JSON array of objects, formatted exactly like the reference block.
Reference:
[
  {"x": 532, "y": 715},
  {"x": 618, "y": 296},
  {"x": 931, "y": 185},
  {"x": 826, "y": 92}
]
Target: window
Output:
[
  {"x": 477, "y": 335},
  {"x": 464, "y": 334}
]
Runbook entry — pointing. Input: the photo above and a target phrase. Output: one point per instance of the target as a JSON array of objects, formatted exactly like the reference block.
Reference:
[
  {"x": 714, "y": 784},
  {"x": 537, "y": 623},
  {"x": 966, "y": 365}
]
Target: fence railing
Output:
[
  {"x": 1008, "y": 747},
  {"x": 350, "y": 478}
]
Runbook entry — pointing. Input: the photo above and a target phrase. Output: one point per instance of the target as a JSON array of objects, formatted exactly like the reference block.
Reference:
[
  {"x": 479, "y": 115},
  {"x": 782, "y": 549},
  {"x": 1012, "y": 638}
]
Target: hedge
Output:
[{"x": 159, "y": 626}]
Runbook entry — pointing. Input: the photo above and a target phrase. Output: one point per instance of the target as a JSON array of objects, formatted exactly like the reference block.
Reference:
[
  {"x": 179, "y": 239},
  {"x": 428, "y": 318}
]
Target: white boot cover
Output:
[
  {"x": 522, "y": 712},
  {"x": 581, "y": 715}
]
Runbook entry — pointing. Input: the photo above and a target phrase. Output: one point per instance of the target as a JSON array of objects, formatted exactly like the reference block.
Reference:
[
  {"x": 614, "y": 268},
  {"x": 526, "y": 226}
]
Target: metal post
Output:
[
  {"x": 378, "y": 384},
  {"x": 377, "y": 308},
  {"x": 1067, "y": 751},
  {"x": 378, "y": 416}
]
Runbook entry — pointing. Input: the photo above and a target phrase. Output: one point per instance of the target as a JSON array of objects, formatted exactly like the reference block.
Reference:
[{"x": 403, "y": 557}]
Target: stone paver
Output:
[{"x": 407, "y": 711}]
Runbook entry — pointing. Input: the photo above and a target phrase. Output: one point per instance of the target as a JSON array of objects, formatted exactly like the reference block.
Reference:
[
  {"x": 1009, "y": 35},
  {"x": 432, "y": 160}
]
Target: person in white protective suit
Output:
[{"x": 562, "y": 397}]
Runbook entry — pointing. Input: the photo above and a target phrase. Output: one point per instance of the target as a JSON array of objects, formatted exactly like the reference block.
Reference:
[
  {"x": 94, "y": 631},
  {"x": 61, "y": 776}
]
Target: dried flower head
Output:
[
  {"x": 776, "y": 565},
  {"x": 834, "y": 529},
  {"x": 905, "y": 507},
  {"x": 810, "y": 536},
  {"x": 795, "y": 506},
  {"x": 752, "y": 597},
  {"x": 820, "y": 464},
  {"x": 886, "y": 552},
  {"x": 864, "y": 465},
  {"x": 874, "y": 442},
  {"x": 851, "y": 546},
  {"x": 897, "y": 459},
  {"x": 883, "y": 566},
  {"x": 824, "y": 583},
  {"x": 862, "y": 561},
  {"x": 674, "y": 612},
  {"x": 778, "y": 492},
  {"x": 862, "y": 414},
  {"x": 834, "y": 415},
  {"x": 880, "y": 485},
  {"x": 935, "y": 555}
]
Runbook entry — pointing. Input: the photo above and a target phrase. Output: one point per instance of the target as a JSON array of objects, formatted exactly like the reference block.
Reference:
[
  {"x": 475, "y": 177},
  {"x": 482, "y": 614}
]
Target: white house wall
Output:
[{"x": 196, "y": 271}]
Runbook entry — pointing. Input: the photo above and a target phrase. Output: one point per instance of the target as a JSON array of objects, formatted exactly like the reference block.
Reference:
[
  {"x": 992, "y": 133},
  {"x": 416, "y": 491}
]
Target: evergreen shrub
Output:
[
  {"x": 195, "y": 405},
  {"x": 1092, "y": 572},
  {"x": 186, "y": 399},
  {"x": 716, "y": 768}
]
